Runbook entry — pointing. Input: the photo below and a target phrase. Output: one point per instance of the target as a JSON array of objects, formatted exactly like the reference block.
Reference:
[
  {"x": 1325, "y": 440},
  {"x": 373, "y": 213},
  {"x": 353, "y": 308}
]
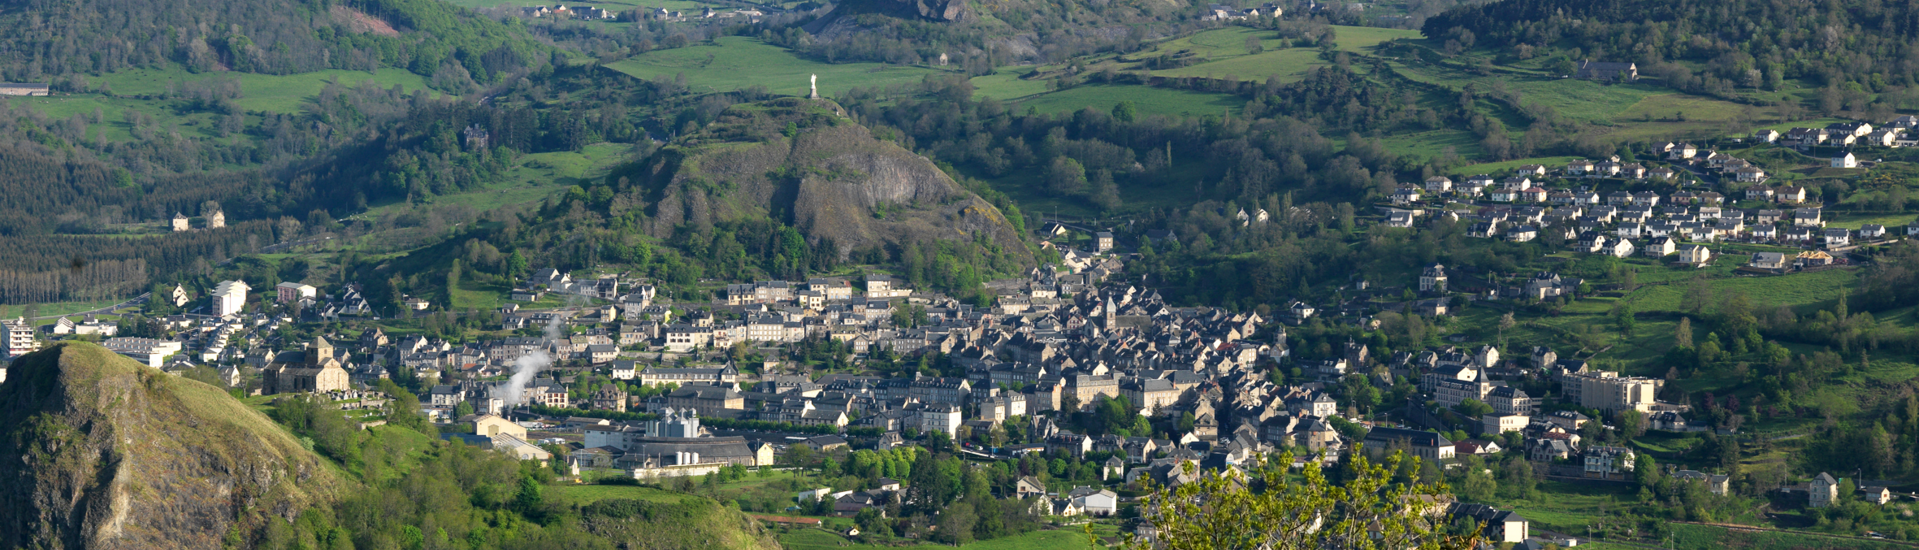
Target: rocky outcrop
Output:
[
  {"x": 101, "y": 452},
  {"x": 798, "y": 161},
  {"x": 839, "y": 20}
]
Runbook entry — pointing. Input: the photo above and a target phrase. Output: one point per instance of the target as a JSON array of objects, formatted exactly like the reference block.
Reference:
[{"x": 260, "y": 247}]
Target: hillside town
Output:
[
  {"x": 656, "y": 389},
  {"x": 1715, "y": 199}
]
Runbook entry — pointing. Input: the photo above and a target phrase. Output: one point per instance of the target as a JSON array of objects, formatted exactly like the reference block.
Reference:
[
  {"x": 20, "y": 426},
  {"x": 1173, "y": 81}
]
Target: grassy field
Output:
[
  {"x": 1895, "y": 223},
  {"x": 1633, "y": 111},
  {"x": 535, "y": 177},
  {"x": 1797, "y": 290},
  {"x": 588, "y": 494},
  {"x": 1432, "y": 144},
  {"x": 56, "y": 308},
  {"x": 260, "y": 92},
  {"x": 1007, "y": 84},
  {"x": 1365, "y": 39},
  {"x": 733, "y": 63},
  {"x": 613, "y": 5},
  {"x": 1147, "y": 100},
  {"x": 1063, "y": 539},
  {"x": 1228, "y": 57},
  {"x": 1288, "y": 65},
  {"x": 1503, "y": 168}
]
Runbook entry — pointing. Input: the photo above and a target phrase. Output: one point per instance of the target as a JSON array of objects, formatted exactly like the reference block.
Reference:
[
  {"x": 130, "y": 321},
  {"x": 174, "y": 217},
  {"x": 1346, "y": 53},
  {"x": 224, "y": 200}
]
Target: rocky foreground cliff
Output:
[
  {"x": 101, "y": 452},
  {"x": 803, "y": 163}
]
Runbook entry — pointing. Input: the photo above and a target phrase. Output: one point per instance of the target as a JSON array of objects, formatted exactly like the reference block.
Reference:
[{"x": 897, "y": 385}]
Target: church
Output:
[{"x": 311, "y": 370}]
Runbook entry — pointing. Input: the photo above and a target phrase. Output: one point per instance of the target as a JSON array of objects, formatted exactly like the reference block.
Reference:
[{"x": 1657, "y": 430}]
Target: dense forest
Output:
[
  {"x": 65, "y": 40},
  {"x": 1852, "y": 47}
]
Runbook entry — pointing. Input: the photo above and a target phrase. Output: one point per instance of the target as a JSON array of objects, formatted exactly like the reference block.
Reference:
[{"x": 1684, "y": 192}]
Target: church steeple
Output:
[{"x": 321, "y": 351}]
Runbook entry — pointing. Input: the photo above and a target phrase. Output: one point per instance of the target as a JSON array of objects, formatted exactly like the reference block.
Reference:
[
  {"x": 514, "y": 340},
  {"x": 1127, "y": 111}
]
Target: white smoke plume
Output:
[{"x": 529, "y": 365}]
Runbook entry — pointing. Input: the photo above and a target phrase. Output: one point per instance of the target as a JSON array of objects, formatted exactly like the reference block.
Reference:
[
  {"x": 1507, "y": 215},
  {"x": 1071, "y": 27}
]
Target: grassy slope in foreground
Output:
[{"x": 102, "y": 452}]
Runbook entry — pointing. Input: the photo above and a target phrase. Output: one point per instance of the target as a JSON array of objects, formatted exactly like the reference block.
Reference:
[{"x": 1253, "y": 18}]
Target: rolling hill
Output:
[
  {"x": 803, "y": 163},
  {"x": 101, "y": 452}
]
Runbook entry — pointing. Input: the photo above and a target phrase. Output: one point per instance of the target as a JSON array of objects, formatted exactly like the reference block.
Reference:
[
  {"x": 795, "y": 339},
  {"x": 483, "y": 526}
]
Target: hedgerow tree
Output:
[{"x": 1271, "y": 506}]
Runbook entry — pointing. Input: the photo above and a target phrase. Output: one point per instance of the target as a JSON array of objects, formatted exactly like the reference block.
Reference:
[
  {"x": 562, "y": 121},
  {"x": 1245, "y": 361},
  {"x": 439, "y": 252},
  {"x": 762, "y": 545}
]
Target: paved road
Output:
[{"x": 137, "y": 300}]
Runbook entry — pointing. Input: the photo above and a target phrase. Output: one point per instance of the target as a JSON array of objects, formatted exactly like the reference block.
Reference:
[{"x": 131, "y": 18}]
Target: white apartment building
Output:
[{"x": 229, "y": 297}]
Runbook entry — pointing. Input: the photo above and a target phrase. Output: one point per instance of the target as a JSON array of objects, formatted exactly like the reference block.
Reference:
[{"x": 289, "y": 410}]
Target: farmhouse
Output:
[
  {"x": 1607, "y": 71},
  {"x": 24, "y": 89}
]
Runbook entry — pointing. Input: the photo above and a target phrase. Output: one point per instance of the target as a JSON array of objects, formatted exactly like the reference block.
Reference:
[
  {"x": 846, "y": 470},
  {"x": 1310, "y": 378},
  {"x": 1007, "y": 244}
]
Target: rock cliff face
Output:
[
  {"x": 101, "y": 452},
  {"x": 945, "y": 11},
  {"x": 798, "y": 161}
]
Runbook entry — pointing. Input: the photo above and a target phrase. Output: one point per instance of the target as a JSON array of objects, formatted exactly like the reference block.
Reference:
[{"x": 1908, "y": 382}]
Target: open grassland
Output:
[
  {"x": 1287, "y": 65},
  {"x": 1226, "y": 55},
  {"x": 1063, "y": 539},
  {"x": 588, "y": 494},
  {"x": 259, "y": 92},
  {"x": 1364, "y": 39},
  {"x": 1583, "y": 99},
  {"x": 535, "y": 177},
  {"x": 1632, "y": 111},
  {"x": 1568, "y": 507},
  {"x": 1504, "y": 168},
  {"x": 1147, "y": 100},
  {"x": 1895, "y": 223},
  {"x": 1007, "y": 84},
  {"x": 1709, "y": 537},
  {"x": 734, "y": 63},
  {"x": 1798, "y": 290},
  {"x": 56, "y": 308},
  {"x": 612, "y": 5},
  {"x": 1433, "y": 144}
]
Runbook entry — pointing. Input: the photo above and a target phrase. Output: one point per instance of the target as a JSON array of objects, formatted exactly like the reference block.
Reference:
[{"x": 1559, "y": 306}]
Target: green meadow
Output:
[
  {"x": 259, "y": 92},
  {"x": 1062, "y": 539},
  {"x": 735, "y": 63},
  {"x": 613, "y": 5},
  {"x": 1146, "y": 100}
]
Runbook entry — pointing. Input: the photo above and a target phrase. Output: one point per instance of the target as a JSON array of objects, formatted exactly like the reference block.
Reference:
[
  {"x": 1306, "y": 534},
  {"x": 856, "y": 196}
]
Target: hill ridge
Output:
[{"x": 101, "y": 452}]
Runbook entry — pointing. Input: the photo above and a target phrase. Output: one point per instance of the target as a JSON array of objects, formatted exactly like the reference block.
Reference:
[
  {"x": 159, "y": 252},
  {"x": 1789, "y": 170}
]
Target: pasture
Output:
[
  {"x": 610, "y": 5},
  {"x": 1147, "y": 100},
  {"x": 735, "y": 63},
  {"x": 1062, "y": 539},
  {"x": 258, "y": 93}
]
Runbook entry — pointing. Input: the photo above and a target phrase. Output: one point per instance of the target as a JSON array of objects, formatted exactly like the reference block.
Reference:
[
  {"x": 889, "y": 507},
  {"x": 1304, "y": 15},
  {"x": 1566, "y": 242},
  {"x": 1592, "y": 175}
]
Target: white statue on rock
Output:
[{"x": 816, "y": 87}]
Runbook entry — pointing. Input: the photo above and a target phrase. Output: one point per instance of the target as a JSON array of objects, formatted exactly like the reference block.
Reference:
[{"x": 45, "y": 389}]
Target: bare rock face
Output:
[
  {"x": 101, "y": 452},
  {"x": 838, "y": 20},
  {"x": 943, "y": 10},
  {"x": 799, "y": 162}
]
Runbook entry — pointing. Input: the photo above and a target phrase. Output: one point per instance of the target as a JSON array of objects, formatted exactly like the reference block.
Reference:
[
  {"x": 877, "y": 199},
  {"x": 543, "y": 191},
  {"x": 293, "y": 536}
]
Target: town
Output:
[{"x": 1072, "y": 361}]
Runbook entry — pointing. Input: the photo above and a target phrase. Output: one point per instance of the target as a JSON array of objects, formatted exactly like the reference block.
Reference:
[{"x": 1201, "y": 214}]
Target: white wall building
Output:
[{"x": 229, "y": 297}]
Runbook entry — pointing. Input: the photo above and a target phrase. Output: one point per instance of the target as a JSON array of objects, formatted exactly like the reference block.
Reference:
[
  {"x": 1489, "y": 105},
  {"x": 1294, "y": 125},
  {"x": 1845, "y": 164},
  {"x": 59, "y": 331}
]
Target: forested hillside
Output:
[
  {"x": 1853, "y": 45},
  {"x": 67, "y": 39}
]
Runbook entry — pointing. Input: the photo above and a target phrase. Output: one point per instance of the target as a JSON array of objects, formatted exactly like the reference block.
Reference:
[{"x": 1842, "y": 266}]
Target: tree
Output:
[
  {"x": 956, "y": 524},
  {"x": 1473, "y": 408},
  {"x": 1065, "y": 177},
  {"x": 1682, "y": 336},
  {"x": 1631, "y": 424},
  {"x": 1265, "y": 508}
]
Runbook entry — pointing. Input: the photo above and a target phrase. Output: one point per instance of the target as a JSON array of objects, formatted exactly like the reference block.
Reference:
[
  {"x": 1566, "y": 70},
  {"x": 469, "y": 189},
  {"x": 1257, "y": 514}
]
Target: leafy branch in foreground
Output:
[{"x": 1270, "y": 506}]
